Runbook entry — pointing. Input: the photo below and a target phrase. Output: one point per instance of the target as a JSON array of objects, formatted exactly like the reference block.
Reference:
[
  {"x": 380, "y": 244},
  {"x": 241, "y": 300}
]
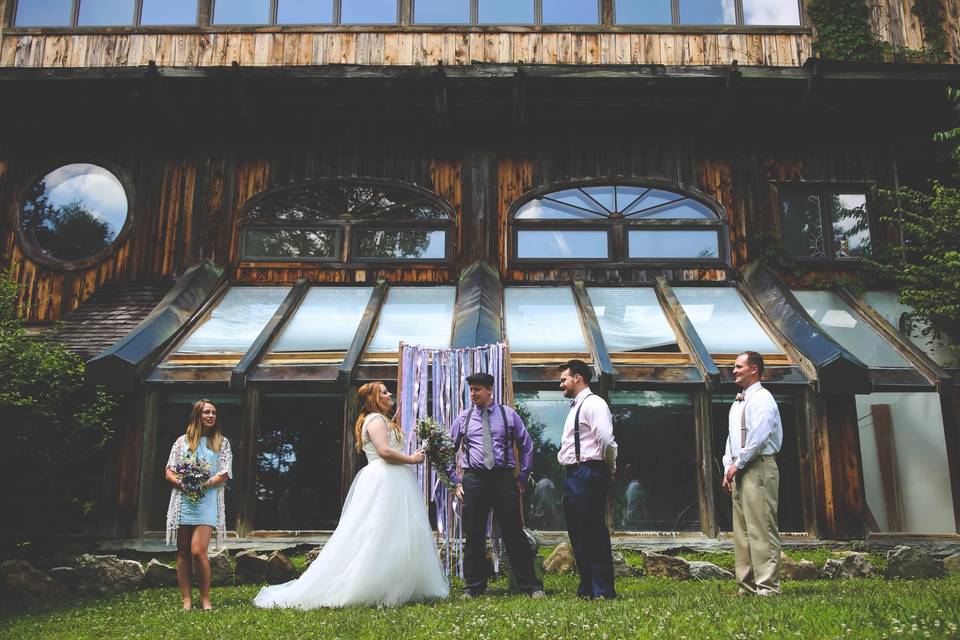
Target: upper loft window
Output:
[
  {"x": 617, "y": 222},
  {"x": 74, "y": 215},
  {"x": 347, "y": 220},
  {"x": 825, "y": 222},
  {"x": 105, "y": 13}
]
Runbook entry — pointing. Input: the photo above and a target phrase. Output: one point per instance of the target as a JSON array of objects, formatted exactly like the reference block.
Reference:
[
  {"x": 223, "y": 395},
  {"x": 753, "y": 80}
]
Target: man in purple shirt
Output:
[{"x": 484, "y": 435}]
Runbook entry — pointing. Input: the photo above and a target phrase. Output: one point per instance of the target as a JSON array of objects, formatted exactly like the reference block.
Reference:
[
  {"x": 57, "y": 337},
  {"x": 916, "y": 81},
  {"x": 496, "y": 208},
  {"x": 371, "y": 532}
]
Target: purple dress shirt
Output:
[{"x": 470, "y": 455}]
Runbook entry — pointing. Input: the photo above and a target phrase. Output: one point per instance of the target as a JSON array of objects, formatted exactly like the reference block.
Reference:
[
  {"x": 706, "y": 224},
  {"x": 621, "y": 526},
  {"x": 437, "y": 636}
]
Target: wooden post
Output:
[
  {"x": 703, "y": 426},
  {"x": 246, "y": 463},
  {"x": 148, "y": 446},
  {"x": 837, "y": 471}
]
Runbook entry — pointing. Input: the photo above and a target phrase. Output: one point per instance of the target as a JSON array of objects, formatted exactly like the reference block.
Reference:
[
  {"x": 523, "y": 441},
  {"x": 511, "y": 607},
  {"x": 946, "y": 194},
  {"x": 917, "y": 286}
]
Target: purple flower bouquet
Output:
[
  {"x": 437, "y": 446},
  {"x": 193, "y": 473}
]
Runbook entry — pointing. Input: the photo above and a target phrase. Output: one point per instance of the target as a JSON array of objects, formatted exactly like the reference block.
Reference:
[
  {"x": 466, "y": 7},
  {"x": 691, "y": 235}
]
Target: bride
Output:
[{"x": 382, "y": 552}]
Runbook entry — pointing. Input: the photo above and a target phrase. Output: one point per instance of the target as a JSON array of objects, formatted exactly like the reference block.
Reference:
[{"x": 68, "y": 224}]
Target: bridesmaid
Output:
[{"x": 192, "y": 523}]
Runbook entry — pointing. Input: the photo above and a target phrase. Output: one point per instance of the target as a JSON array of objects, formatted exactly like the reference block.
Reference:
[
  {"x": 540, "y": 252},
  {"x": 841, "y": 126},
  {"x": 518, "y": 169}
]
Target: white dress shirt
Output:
[
  {"x": 596, "y": 431},
  {"x": 764, "y": 429}
]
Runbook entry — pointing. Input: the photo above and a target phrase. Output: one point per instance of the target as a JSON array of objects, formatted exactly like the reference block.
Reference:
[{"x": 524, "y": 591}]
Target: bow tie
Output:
[{"x": 739, "y": 398}]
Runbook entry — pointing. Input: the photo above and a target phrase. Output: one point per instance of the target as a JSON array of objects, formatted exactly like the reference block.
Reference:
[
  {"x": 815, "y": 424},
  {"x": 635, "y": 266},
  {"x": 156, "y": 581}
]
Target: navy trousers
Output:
[{"x": 584, "y": 507}]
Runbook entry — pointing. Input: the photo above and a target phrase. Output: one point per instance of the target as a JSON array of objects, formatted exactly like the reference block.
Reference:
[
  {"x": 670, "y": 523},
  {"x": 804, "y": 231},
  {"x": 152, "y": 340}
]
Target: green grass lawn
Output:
[{"x": 647, "y": 608}]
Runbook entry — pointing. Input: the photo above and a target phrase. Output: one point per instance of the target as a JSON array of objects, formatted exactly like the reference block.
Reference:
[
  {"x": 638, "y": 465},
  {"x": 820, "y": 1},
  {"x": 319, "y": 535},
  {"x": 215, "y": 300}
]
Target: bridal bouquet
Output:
[
  {"x": 437, "y": 446},
  {"x": 193, "y": 473}
]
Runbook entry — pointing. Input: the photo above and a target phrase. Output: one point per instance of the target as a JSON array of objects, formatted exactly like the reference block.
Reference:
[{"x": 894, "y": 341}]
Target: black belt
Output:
[
  {"x": 599, "y": 464},
  {"x": 485, "y": 472}
]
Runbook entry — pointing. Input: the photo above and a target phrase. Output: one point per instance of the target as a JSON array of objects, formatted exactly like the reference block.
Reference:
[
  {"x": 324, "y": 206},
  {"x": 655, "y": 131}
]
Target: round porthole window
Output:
[{"x": 74, "y": 213}]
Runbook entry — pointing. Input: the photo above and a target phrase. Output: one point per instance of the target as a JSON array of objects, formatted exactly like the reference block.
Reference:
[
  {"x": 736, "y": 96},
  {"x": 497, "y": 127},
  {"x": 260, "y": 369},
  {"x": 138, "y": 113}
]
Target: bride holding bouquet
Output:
[{"x": 382, "y": 552}]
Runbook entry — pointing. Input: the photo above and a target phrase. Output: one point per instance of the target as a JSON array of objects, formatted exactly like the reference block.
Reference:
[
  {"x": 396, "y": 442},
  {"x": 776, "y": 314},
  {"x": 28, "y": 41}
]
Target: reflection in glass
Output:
[
  {"x": 300, "y": 12},
  {"x": 299, "y": 455},
  {"x": 771, "y": 12},
  {"x": 100, "y": 13},
  {"x": 236, "y": 321},
  {"x": 802, "y": 226},
  {"x": 722, "y": 320},
  {"x": 168, "y": 12},
  {"x": 899, "y": 315},
  {"x": 707, "y": 12},
  {"x": 358, "y": 200},
  {"x": 542, "y": 319},
  {"x": 289, "y": 243},
  {"x": 682, "y": 243},
  {"x": 643, "y": 12},
  {"x": 543, "y": 413},
  {"x": 326, "y": 320},
  {"x": 683, "y": 210},
  {"x": 75, "y": 211},
  {"x": 505, "y": 11},
  {"x": 542, "y": 243},
  {"x": 845, "y": 325},
  {"x": 44, "y": 13},
  {"x": 402, "y": 245},
  {"x": 906, "y": 476},
  {"x": 851, "y": 230},
  {"x": 241, "y": 11},
  {"x": 368, "y": 12},
  {"x": 631, "y": 319},
  {"x": 415, "y": 315},
  {"x": 651, "y": 198},
  {"x": 441, "y": 12},
  {"x": 173, "y": 414},
  {"x": 655, "y": 488},
  {"x": 570, "y": 12},
  {"x": 790, "y": 506},
  {"x": 547, "y": 209},
  {"x": 579, "y": 198}
]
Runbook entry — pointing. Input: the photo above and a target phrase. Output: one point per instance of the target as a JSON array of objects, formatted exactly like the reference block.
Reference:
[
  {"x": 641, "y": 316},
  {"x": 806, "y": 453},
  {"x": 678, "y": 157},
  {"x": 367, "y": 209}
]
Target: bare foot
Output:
[
  {"x": 187, "y": 606},
  {"x": 207, "y": 606}
]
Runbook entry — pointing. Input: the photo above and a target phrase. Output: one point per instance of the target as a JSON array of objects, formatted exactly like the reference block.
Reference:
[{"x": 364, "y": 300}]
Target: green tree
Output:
[
  {"x": 54, "y": 426},
  {"x": 72, "y": 232}
]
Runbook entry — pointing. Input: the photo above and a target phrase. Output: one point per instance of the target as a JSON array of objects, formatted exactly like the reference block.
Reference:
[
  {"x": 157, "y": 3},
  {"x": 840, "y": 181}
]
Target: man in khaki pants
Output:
[{"x": 754, "y": 438}]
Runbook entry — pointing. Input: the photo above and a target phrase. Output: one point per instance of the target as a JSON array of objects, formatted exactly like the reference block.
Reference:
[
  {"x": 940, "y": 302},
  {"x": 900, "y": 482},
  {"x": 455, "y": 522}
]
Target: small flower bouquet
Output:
[
  {"x": 193, "y": 473},
  {"x": 437, "y": 446}
]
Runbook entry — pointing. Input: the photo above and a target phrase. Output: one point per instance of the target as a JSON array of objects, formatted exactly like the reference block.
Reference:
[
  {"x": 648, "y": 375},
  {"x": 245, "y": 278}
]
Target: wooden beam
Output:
[
  {"x": 731, "y": 85},
  {"x": 368, "y": 323},
  {"x": 241, "y": 97},
  {"x": 238, "y": 377},
  {"x": 595, "y": 343},
  {"x": 686, "y": 333},
  {"x": 706, "y": 481},
  {"x": 245, "y": 462},
  {"x": 440, "y": 97},
  {"x": 148, "y": 453},
  {"x": 883, "y": 434},
  {"x": 901, "y": 343},
  {"x": 519, "y": 98}
]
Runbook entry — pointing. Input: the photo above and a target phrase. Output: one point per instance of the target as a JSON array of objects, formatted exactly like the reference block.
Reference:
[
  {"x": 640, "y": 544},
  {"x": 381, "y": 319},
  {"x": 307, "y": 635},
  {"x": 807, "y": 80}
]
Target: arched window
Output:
[
  {"x": 347, "y": 220},
  {"x": 618, "y": 222}
]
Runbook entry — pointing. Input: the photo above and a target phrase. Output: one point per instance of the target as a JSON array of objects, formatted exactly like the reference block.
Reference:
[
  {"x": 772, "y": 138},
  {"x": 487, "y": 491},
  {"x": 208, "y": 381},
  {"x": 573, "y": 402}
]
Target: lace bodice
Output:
[{"x": 368, "y": 447}]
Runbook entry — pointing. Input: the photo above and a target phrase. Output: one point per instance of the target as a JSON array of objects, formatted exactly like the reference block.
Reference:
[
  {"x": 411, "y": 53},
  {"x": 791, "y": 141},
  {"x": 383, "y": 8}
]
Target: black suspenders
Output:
[{"x": 576, "y": 427}]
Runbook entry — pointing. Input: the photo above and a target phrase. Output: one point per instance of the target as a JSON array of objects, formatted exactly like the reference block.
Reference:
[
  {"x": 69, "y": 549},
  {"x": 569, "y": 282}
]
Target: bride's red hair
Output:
[{"x": 372, "y": 401}]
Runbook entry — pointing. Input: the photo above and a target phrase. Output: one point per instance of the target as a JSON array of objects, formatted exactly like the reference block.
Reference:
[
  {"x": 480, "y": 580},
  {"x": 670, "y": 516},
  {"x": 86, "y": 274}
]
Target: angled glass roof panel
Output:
[
  {"x": 415, "y": 315},
  {"x": 845, "y": 325},
  {"x": 326, "y": 320},
  {"x": 887, "y": 305},
  {"x": 236, "y": 321},
  {"x": 721, "y": 318},
  {"x": 631, "y": 319},
  {"x": 542, "y": 319}
]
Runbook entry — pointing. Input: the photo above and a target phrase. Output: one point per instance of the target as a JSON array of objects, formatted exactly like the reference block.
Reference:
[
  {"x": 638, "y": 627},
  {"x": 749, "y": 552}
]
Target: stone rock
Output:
[
  {"x": 221, "y": 569},
  {"x": 791, "y": 569},
  {"x": 67, "y": 576},
  {"x": 951, "y": 564},
  {"x": 313, "y": 553},
  {"x": 851, "y": 565},
  {"x": 708, "y": 571},
  {"x": 279, "y": 568},
  {"x": 251, "y": 567},
  {"x": 158, "y": 574},
  {"x": 561, "y": 560},
  {"x": 665, "y": 566},
  {"x": 105, "y": 575},
  {"x": 620, "y": 567},
  {"x": 907, "y": 562},
  {"x": 19, "y": 579}
]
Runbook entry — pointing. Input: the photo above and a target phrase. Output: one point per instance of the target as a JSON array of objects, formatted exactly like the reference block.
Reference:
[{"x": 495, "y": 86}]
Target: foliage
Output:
[
  {"x": 647, "y": 608},
  {"x": 53, "y": 425},
  {"x": 843, "y": 31},
  {"x": 932, "y": 17}
]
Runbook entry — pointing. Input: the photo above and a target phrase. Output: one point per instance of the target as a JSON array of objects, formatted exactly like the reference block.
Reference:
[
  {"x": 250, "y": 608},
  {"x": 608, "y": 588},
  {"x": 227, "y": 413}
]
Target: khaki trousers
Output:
[{"x": 756, "y": 539}]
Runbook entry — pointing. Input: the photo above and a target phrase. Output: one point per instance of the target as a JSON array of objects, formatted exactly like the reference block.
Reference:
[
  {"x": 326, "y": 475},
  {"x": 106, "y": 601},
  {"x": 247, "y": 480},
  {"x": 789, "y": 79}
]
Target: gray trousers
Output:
[{"x": 756, "y": 539}]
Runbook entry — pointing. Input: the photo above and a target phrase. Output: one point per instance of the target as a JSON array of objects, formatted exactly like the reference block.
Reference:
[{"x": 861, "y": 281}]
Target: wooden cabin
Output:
[{"x": 256, "y": 201}]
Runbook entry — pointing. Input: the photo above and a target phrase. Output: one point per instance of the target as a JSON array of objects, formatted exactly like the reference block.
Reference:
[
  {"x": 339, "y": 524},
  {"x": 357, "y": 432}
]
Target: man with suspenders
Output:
[
  {"x": 589, "y": 453},
  {"x": 754, "y": 436},
  {"x": 484, "y": 435}
]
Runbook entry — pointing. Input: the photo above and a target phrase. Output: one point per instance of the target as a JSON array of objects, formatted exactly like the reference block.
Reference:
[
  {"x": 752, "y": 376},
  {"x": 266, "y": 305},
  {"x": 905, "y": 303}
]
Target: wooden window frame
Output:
[
  {"x": 404, "y": 22},
  {"x": 618, "y": 228},
  {"x": 822, "y": 189}
]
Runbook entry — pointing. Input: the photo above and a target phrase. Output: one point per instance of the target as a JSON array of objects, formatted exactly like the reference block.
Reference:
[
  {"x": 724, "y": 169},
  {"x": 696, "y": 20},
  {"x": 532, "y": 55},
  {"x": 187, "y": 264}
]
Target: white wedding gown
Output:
[{"x": 383, "y": 551}]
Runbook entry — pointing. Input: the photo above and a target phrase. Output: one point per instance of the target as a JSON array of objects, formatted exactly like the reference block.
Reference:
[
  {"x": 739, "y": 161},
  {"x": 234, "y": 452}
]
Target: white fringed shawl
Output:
[{"x": 179, "y": 450}]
